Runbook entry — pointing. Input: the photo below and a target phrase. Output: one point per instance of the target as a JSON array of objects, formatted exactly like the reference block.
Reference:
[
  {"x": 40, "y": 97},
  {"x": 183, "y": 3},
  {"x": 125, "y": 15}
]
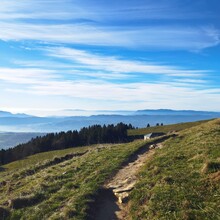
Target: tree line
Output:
[{"x": 95, "y": 134}]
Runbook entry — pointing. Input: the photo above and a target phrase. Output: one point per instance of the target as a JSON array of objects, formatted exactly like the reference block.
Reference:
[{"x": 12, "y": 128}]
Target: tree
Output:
[{"x": 56, "y": 141}]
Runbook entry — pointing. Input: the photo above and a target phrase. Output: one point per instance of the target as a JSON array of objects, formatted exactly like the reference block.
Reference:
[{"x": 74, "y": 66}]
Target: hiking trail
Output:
[{"x": 112, "y": 201}]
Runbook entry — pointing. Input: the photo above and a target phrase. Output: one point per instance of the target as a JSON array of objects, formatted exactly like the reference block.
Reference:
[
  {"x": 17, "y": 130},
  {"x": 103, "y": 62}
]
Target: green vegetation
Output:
[
  {"x": 182, "y": 180},
  {"x": 40, "y": 158},
  {"x": 63, "y": 190},
  {"x": 165, "y": 128},
  {"x": 95, "y": 134}
]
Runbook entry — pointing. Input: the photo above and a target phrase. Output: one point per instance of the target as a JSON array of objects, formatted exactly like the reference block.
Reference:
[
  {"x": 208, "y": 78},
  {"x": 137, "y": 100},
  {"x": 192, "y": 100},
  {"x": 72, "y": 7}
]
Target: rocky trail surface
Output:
[{"x": 112, "y": 202}]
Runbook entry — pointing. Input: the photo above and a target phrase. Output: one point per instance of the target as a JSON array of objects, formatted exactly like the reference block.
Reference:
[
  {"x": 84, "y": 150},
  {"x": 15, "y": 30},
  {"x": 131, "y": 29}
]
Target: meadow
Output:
[{"x": 182, "y": 180}]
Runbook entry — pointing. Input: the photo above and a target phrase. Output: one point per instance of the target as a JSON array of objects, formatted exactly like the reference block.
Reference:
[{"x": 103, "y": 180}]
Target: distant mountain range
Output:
[
  {"x": 174, "y": 112},
  {"x": 9, "y": 114},
  {"x": 33, "y": 126},
  {"x": 26, "y": 123}
]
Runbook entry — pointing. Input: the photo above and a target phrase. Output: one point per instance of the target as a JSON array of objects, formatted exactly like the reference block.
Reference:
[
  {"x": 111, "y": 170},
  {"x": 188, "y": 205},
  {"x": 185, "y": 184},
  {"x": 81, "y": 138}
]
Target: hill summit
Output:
[{"x": 179, "y": 179}]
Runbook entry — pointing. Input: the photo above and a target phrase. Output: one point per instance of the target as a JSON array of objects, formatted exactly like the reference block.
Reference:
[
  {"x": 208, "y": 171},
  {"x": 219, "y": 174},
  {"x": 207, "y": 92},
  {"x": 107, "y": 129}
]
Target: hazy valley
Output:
[{"x": 19, "y": 128}]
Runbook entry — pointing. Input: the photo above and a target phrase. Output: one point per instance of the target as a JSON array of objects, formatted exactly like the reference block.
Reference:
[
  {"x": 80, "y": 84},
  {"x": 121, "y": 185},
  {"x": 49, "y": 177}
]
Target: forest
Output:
[{"x": 95, "y": 134}]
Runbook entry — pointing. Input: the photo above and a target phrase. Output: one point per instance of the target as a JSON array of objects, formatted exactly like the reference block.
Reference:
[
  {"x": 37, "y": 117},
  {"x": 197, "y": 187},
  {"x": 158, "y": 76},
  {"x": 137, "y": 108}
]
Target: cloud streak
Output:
[
  {"x": 96, "y": 10},
  {"x": 149, "y": 94},
  {"x": 116, "y": 65},
  {"x": 100, "y": 11},
  {"x": 77, "y": 22},
  {"x": 44, "y": 34},
  {"x": 157, "y": 37},
  {"x": 27, "y": 76},
  {"x": 49, "y": 82},
  {"x": 43, "y": 84}
]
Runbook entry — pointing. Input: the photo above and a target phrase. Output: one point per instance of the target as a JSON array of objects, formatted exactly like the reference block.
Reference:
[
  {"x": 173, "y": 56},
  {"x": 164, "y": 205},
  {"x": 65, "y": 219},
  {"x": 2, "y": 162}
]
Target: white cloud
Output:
[
  {"x": 78, "y": 64},
  {"x": 78, "y": 22},
  {"x": 136, "y": 94},
  {"x": 157, "y": 37},
  {"x": 48, "y": 82},
  {"x": 51, "y": 82},
  {"x": 116, "y": 65},
  {"x": 63, "y": 73},
  {"x": 26, "y": 76},
  {"x": 40, "y": 9},
  {"x": 46, "y": 88},
  {"x": 99, "y": 11}
]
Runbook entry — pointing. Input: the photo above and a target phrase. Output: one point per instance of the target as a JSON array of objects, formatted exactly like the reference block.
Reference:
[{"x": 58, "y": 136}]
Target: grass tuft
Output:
[{"x": 211, "y": 167}]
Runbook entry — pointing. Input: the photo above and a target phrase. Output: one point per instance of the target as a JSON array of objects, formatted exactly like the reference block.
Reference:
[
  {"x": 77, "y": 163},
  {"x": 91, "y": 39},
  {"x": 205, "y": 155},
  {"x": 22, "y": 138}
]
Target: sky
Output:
[{"x": 58, "y": 55}]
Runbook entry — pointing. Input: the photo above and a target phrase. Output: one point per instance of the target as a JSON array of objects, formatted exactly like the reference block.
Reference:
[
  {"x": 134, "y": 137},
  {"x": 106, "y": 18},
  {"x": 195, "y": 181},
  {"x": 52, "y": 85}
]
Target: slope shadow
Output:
[
  {"x": 104, "y": 207},
  {"x": 2, "y": 169}
]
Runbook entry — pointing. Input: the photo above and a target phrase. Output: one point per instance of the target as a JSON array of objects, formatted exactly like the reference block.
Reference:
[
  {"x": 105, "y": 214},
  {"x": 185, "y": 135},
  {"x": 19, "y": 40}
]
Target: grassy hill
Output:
[
  {"x": 165, "y": 128},
  {"x": 60, "y": 187},
  {"x": 182, "y": 180}
]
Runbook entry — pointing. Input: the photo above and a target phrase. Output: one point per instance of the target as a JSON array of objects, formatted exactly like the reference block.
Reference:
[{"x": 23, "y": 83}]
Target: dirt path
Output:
[
  {"x": 124, "y": 181},
  {"x": 112, "y": 201}
]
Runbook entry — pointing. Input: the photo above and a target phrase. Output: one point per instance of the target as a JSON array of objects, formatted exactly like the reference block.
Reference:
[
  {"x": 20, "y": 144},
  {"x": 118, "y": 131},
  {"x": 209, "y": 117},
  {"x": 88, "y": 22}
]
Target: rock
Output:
[
  {"x": 128, "y": 180},
  {"x": 124, "y": 189},
  {"x": 114, "y": 186},
  {"x": 152, "y": 146},
  {"x": 122, "y": 197}
]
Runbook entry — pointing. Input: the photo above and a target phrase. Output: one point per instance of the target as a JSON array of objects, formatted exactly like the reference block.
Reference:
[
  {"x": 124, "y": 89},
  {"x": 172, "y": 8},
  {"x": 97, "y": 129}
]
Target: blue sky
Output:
[{"x": 115, "y": 55}]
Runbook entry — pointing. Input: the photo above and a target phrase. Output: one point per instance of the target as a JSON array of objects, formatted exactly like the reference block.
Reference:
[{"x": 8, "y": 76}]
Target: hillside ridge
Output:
[{"x": 177, "y": 181}]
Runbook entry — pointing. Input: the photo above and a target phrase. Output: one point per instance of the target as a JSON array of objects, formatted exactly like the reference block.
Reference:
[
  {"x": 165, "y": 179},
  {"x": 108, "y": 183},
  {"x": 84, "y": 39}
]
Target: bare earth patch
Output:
[
  {"x": 125, "y": 181},
  {"x": 113, "y": 201}
]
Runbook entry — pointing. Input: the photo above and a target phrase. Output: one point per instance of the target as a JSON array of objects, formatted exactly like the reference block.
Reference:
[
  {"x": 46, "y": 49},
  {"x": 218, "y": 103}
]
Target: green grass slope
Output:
[
  {"x": 165, "y": 128},
  {"x": 60, "y": 187},
  {"x": 38, "y": 159},
  {"x": 182, "y": 180}
]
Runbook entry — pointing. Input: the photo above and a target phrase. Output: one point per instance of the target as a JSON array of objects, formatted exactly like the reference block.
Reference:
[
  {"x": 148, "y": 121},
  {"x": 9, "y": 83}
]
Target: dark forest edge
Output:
[{"x": 95, "y": 134}]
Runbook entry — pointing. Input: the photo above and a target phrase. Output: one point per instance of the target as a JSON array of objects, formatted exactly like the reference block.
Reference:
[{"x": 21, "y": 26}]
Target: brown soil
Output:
[
  {"x": 124, "y": 181},
  {"x": 112, "y": 201}
]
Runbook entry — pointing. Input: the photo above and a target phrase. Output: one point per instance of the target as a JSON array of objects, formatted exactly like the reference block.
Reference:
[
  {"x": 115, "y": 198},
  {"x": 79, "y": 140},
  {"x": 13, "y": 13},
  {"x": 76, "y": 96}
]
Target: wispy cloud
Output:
[
  {"x": 40, "y": 9},
  {"x": 99, "y": 11},
  {"x": 70, "y": 22},
  {"x": 43, "y": 84},
  {"x": 51, "y": 30},
  {"x": 117, "y": 65},
  {"x": 49, "y": 82},
  {"x": 27, "y": 76},
  {"x": 150, "y": 95},
  {"x": 157, "y": 37},
  {"x": 76, "y": 65}
]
